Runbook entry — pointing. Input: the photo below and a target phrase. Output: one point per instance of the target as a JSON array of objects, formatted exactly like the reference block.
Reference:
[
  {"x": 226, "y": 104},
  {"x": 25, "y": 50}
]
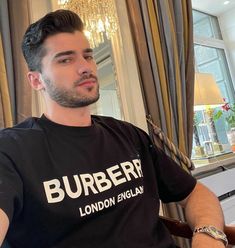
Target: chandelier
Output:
[{"x": 99, "y": 18}]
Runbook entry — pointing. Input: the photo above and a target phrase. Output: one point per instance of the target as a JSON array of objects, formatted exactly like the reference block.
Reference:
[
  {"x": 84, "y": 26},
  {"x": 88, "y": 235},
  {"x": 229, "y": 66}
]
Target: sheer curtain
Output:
[
  {"x": 6, "y": 106},
  {"x": 19, "y": 20},
  {"x": 163, "y": 35},
  {"x": 14, "y": 21}
]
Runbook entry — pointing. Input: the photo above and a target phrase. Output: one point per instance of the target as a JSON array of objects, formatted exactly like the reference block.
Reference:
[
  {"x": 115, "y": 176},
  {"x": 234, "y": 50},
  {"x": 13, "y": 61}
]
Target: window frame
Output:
[{"x": 217, "y": 160}]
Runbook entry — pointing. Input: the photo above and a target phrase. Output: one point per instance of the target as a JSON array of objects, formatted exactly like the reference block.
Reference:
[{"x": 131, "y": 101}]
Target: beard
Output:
[{"x": 71, "y": 98}]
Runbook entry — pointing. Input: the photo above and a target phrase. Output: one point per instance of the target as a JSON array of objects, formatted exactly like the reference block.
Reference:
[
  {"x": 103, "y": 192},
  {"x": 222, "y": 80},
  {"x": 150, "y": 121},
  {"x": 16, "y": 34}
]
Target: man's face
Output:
[{"x": 69, "y": 73}]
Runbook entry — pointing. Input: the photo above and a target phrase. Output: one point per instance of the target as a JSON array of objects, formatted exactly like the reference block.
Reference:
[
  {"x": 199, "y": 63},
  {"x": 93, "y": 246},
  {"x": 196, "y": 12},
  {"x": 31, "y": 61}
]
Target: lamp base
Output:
[
  {"x": 199, "y": 152},
  {"x": 218, "y": 148}
]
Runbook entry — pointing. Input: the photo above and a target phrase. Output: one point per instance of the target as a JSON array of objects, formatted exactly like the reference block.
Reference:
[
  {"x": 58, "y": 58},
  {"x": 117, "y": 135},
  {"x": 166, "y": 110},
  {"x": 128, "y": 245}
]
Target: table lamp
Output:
[{"x": 206, "y": 97}]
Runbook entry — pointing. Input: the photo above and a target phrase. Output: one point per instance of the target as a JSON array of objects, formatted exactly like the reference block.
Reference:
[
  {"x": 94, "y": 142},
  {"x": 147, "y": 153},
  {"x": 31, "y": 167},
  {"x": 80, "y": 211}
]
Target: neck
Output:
[{"x": 79, "y": 117}]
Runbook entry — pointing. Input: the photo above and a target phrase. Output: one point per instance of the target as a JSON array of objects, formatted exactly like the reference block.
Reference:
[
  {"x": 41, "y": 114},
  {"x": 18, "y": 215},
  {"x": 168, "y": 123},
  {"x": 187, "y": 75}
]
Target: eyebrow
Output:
[
  {"x": 88, "y": 50},
  {"x": 71, "y": 52}
]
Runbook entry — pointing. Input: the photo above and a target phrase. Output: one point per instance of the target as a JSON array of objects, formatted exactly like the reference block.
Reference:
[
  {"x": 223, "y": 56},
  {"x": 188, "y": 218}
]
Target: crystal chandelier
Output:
[{"x": 98, "y": 16}]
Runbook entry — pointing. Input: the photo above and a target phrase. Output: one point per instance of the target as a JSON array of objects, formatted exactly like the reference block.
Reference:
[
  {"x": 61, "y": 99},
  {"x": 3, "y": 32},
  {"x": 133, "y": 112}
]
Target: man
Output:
[{"x": 69, "y": 179}]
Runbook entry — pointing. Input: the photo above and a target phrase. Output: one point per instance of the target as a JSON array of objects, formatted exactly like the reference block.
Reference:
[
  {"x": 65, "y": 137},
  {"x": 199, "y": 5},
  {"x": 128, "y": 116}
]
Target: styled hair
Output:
[{"x": 59, "y": 21}]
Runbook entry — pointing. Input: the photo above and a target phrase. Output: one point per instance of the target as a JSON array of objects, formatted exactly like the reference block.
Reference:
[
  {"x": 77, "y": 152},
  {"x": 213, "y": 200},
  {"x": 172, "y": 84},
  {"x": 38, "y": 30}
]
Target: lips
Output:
[{"x": 89, "y": 82}]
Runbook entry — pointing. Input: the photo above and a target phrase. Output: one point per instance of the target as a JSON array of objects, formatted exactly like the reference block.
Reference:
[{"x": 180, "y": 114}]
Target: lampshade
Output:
[{"x": 206, "y": 90}]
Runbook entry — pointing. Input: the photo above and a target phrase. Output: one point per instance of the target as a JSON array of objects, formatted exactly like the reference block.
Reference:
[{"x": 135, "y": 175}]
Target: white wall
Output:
[{"x": 227, "y": 25}]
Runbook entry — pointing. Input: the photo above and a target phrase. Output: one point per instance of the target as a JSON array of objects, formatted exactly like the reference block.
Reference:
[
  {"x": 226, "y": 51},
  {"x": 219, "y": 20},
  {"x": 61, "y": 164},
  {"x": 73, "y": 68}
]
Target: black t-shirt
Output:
[{"x": 96, "y": 186}]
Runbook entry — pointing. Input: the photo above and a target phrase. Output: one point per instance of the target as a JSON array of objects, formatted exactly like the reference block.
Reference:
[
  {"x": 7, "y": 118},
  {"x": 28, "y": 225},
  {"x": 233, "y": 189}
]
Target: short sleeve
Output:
[
  {"x": 174, "y": 183},
  {"x": 11, "y": 189}
]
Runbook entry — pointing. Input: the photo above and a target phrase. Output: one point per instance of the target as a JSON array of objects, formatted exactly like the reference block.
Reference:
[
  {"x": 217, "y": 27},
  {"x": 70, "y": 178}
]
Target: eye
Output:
[
  {"x": 88, "y": 57},
  {"x": 65, "y": 61}
]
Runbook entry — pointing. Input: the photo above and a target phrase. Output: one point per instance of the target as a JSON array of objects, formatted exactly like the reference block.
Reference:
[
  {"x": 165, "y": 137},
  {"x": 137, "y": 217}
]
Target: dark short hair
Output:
[{"x": 59, "y": 21}]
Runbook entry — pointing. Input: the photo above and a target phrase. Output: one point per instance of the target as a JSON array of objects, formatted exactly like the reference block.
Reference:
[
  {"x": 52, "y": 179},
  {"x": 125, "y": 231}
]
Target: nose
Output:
[{"x": 84, "y": 67}]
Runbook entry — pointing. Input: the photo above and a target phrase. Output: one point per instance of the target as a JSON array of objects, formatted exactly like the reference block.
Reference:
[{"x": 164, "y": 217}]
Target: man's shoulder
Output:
[
  {"x": 124, "y": 127},
  {"x": 28, "y": 123},
  {"x": 112, "y": 122},
  {"x": 24, "y": 128}
]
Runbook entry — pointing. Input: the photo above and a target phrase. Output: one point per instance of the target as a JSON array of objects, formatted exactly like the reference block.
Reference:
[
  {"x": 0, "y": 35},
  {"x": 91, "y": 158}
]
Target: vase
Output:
[{"x": 231, "y": 138}]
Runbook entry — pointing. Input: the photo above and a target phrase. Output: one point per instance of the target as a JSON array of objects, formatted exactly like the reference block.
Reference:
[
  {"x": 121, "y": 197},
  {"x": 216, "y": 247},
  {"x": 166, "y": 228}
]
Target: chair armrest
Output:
[
  {"x": 230, "y": 233},
  {"x": 182, "y": 229},
  {"x": 177, "y": 227}
]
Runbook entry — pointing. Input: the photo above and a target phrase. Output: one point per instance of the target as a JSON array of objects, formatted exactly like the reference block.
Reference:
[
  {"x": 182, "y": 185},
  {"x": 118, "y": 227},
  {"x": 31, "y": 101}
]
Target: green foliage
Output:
[
  {"x": 217, "y": 115},
  {"x": 228, "y": 110},
  {"x": 231, "y": 120}
]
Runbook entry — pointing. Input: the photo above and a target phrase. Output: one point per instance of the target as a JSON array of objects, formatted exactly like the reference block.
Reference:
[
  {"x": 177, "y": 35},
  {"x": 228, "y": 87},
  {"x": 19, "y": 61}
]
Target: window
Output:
[
  {"x": 211, "y": 57},
  {"x": 206, "y": 25}
]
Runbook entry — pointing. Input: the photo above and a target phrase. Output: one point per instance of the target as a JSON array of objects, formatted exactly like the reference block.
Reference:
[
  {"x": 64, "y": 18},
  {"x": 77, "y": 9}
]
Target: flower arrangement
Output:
[{"x": 228, "y": 110}]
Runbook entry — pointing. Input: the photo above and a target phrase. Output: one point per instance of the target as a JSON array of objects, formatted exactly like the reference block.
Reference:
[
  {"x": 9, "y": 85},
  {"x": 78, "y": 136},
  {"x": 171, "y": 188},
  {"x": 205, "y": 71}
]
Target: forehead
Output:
[{"x": 76, "y": 41}]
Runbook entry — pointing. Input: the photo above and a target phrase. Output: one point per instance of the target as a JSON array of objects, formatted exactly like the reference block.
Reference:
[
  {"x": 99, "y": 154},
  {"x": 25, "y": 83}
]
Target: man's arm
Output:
[
  {"x": 202, "y": 208},
  {"x": 4, "y": 224}
]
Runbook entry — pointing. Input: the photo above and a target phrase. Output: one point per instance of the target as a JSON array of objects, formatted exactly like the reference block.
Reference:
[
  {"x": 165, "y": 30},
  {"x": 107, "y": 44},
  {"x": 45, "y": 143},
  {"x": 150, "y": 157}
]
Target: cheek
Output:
[
  {"x": 94, "y": 68},
  {"x": 61, "y": 75}
]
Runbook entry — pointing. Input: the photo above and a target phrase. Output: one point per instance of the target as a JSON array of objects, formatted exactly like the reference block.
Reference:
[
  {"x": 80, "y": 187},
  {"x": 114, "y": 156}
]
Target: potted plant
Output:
[{"x": 228, "y": 111}]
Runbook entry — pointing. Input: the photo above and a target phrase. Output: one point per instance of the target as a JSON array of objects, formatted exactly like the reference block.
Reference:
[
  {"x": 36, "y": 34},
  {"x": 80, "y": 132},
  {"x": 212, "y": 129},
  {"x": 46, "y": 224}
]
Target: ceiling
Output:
[{"x": 213, "y": 7}]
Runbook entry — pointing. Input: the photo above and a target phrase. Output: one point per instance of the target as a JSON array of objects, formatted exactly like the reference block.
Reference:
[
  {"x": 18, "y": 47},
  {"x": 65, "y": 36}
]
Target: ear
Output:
[{"x": 35, "y": 80}]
